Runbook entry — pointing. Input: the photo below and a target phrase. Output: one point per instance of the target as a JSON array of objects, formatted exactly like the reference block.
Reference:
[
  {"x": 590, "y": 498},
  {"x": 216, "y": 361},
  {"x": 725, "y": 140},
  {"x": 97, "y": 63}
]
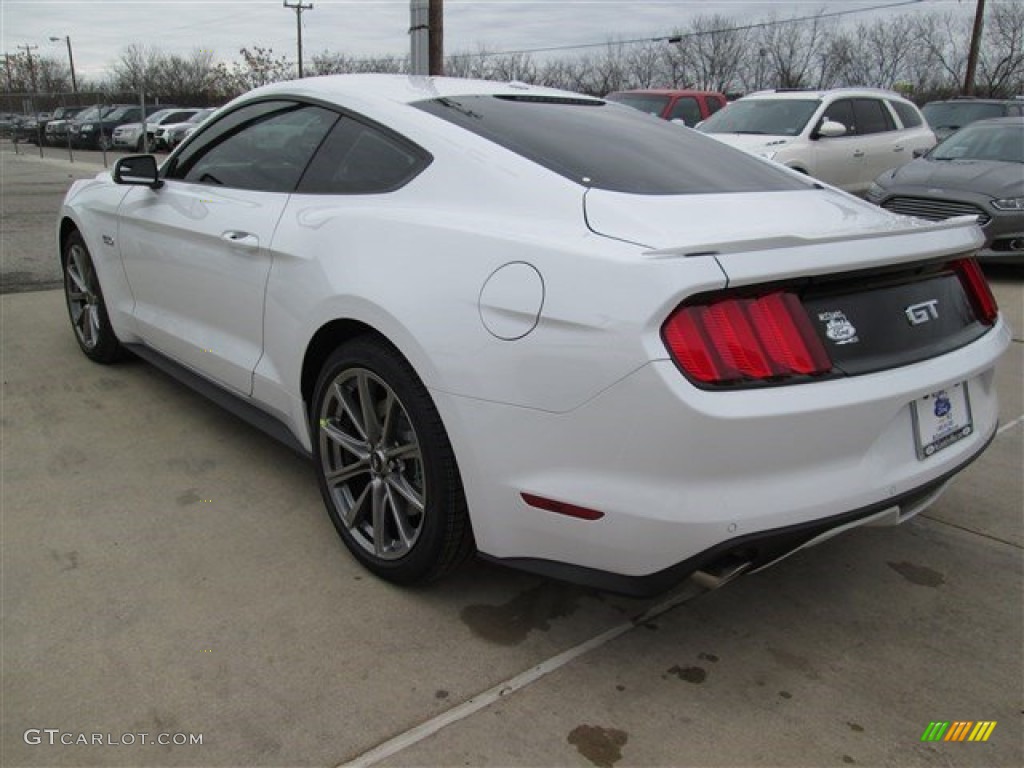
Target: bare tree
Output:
[
  {"x": 1001, "y": 63},
  {"x": 791, "y": 50},
  {"x": 718, "y": 50}
]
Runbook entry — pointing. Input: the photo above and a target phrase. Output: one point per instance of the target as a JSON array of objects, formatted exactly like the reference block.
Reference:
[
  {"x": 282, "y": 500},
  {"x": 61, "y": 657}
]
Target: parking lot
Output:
[{"x": 169, "y": 571}]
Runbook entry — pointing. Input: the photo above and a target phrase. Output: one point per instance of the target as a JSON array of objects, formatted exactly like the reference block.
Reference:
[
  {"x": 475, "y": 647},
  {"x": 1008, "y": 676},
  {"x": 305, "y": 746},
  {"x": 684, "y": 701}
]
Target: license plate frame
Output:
[{"x": 941, "y": 418}]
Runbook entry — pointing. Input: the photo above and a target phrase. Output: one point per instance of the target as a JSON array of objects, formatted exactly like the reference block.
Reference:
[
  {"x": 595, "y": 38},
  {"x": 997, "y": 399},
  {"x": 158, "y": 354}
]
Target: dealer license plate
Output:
[{"x": 941, "y": 419}]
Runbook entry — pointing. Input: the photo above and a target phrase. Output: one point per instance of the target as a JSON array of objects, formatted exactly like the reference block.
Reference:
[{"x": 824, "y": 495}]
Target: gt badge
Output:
[
  {"x": 923, "y": 312},
  {"x": 838, "y": 327}
]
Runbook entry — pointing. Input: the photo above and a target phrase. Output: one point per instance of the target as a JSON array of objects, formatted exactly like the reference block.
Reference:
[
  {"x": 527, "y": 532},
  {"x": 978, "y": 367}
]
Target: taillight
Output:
[
  {"x": 977, "y": 289},
  {"x": 745, "y": 340}
]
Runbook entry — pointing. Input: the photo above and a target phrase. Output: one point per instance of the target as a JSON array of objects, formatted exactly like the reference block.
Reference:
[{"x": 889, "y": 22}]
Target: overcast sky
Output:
[{"x": 100, "y": 29}]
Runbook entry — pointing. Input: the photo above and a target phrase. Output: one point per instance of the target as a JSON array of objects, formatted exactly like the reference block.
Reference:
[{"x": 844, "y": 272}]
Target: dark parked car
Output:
[
  {"x": 689, "y": 106},
  {"x": 97, "y": 130},
  {"x": 56, "y": 131},
  {"x": 978, "y": 171},
  {"x": 945, "y": 117}
]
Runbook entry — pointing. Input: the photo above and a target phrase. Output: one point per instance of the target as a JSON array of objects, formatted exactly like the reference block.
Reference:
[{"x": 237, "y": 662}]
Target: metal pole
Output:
[
  {"x": 419, "y": 33},
  {"x": 419, "y": 37},
  {"x": 71, "y": 60},
  {"x": 972, "y": 57}
]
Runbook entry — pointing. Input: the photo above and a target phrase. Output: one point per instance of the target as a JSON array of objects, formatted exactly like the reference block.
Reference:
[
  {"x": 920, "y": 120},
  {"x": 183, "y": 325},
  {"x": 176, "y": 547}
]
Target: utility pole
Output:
[
  {"x": 436, "y": 40},
  {"x": 972, "y": 57},
  {"x": 299, "y": 7},
  {"x": 31, "y": 68}
]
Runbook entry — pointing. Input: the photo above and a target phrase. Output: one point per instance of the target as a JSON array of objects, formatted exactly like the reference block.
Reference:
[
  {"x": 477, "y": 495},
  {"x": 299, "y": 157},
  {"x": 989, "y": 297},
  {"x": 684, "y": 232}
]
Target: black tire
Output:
[
  {"x": 104, "y": 142},
  {"x": 86, "y": 307},
  {"x": 398, "y": 505}
]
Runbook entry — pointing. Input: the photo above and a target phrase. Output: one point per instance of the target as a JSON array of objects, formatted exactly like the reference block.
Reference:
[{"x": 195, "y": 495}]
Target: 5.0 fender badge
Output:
[{"x": 838, "y": 327}]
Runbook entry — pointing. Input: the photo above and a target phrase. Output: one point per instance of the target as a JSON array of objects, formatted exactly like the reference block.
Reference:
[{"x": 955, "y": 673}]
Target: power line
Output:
[{"x": 679, "y": 38}]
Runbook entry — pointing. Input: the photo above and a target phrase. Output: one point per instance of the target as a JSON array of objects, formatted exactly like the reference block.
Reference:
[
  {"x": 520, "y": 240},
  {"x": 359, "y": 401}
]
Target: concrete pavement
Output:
[{"x": 166, "y": 570}]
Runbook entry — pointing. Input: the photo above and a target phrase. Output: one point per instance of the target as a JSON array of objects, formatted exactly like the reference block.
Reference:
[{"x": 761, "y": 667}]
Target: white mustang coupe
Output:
[{"x": 573, "y": 338}]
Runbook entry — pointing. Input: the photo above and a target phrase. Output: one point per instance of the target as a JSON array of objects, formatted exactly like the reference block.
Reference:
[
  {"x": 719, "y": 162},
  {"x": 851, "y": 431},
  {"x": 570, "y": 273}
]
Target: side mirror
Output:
[
  {"x": 830, "y": 129},
  {"x": 138, "y": 170},
  {"x": 919, "y": 152}
]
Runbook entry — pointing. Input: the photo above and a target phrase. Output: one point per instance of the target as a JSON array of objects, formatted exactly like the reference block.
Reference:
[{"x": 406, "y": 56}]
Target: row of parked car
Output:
[
  {"x": 959, "y": 157},
  {"x": 111, "y": 126}
]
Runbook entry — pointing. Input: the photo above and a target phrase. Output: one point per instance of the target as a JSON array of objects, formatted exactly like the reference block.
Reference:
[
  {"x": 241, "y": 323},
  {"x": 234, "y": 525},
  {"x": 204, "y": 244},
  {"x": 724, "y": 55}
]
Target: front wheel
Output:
[
  {"x": 86, "y": 307},
  {"x": 386, "y": 470}
]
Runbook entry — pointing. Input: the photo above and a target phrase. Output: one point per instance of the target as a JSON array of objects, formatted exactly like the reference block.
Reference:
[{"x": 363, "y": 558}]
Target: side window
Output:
[
  {"x": 359, "y": 159},
  {"x": 872, "y": 116},
  {"x": 262, "y": 147},
  {"x": 714, "y": 104},
  {"x": 686, "y": 109},
  {"x": 841, "y": 111},
  {"x": 909, "y": 116}
]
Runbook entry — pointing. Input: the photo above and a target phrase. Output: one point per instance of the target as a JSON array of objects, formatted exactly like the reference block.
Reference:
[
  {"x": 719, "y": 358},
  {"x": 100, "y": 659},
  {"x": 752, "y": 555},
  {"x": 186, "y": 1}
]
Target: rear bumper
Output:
[
  {"x": 683, "y": 476},
  {"x": 757, "y": 550}
]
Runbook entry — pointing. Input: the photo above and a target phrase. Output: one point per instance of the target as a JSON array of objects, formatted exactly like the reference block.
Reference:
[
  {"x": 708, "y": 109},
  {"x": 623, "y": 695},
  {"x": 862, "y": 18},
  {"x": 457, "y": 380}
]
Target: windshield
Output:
[
  {"x": 955, "y": 114},
  {"x": 1000, "y": 142},
  {"x": 117, "y": 113},
  {"x": 603, "y": 146},
  {"x": 89, "y": 114},
  {"x": 157, "y": 117},
  {"x": 201, "y": 115},
  {"x": 650, "y": 103},
  {"x": 772, "y": 117}
]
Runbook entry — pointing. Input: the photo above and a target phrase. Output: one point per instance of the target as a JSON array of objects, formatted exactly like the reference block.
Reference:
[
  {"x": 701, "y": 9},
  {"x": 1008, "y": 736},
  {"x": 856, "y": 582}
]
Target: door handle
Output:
[
  {"x": 897, "y": 149},
  {"x": 859, "y": 153},
  {"x": 243, "y": 239}
]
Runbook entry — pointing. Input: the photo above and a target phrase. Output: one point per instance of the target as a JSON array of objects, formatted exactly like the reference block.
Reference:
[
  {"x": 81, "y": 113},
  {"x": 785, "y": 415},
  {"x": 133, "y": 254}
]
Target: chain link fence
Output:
[{"x": 40, "y": 122}]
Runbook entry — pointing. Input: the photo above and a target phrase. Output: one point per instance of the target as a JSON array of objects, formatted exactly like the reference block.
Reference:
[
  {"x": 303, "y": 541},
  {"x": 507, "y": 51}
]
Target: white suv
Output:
[{"x": 845, "y": 136}]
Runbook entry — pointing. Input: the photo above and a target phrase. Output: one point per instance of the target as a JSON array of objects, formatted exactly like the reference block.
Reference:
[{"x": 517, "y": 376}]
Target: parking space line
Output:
[
  {"x": 1010, "y": 425},
  {"x": 482, "y": 700}
]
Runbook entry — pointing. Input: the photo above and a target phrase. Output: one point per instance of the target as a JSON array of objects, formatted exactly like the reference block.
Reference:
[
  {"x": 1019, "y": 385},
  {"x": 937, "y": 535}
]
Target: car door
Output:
[
  {"x": 840, "y": 160},
  {"x": 884, "y": 147},
  {"x": 196, "y": 251}
]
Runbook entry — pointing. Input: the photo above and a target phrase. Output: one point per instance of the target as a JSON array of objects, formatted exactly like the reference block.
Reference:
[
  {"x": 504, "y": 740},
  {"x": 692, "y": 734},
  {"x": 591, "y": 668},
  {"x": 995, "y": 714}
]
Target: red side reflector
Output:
[
  {"x": 977, "y": 289},
  {"x": 561, "y": 508},
  {"x": 745, "y": 339}
]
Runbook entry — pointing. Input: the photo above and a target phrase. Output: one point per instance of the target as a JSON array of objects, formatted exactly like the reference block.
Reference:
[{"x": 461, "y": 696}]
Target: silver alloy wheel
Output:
[
  {"x": 372, "y": 463},
  {"x": 83, "y": 296}
]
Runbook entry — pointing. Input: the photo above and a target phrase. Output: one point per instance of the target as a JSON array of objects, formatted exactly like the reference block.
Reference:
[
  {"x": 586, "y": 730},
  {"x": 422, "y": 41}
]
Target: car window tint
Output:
[
  {"x": 714, "y": 104},
  {"x": 359, "y": 159},
  {"x": 872, "y": 116},
  {"x": 841, "y": 111},
  {"x": 686, "y": 109},
  {"x": 909, "y": 116},
  {"x": 261, "y": 147},
  {"x": 601, "y": 145}
]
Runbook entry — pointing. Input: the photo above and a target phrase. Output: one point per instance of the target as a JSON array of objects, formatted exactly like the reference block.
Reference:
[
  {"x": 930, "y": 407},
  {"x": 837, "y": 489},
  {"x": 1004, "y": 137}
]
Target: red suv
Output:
[{"x": 689, "y": 106}]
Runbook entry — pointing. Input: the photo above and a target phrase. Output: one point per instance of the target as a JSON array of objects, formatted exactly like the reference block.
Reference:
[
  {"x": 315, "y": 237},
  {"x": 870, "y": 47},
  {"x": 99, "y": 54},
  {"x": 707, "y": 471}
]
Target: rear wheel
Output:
[
  {"x": 386, "y": 470},
  {"x": 86, "y": 307}
]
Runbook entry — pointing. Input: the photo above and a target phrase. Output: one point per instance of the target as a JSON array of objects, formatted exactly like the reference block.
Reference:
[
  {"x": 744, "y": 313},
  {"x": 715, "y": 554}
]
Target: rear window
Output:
[
  {"x": 955, "y": 114},
  {"x": 651, "y": 103},
  {"x": 604, "y": 146},
  {"x": 909, "y": 115}
]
